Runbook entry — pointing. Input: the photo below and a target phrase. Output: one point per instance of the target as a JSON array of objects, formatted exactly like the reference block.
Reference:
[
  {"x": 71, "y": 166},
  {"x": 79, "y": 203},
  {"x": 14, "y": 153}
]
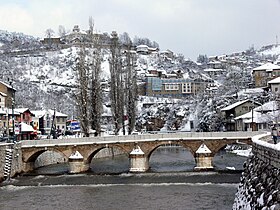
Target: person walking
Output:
[{"x": 274, "y": 134}]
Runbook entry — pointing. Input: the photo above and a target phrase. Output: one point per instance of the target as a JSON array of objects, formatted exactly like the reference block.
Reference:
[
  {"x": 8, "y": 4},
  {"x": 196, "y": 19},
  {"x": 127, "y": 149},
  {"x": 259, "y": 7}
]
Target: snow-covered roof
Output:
[
  {"x": 142, "y": 46},
  {"x": 269, "y": 106},
  {"x": 232, "y": 106},
  {"x": 258, "y": 117},
  {"x": 214, "y": 62},
  {"x": 274, "y": 81},
  {"x": 22, "y": 110},
  {"x": 3, "y": 94},
  {"x": 251, "y": 91},
  {"x": 267, "y": 67},
  {"x": 8, "y": 86},
  {"x": 57, "y": 114},
  {"x": 4, "y": 111},
  {"x": 39, "y": 113},
  {"x": 26, "y": 128},
  {"x": 151, "y": 75}
]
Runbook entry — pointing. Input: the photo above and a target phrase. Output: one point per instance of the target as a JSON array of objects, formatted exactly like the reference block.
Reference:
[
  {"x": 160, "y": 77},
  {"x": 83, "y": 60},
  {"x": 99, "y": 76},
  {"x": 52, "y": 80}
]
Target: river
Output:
[{"x": 170, "y": 183}]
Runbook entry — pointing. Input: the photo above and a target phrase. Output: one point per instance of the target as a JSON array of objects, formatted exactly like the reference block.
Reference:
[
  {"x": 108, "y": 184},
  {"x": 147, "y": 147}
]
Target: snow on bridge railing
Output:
[
  {"x": 265, "y": 140},
  {"x": 144, "y": 137},
  {"x": 265, "y": 149}
]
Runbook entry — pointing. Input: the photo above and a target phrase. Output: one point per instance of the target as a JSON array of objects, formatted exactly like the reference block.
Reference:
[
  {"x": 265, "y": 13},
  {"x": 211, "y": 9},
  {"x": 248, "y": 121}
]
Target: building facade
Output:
[
  {"x": 265, "y": 73},
  {"x": 7, "y": 93},
  {"x": 174, "y": 87}
]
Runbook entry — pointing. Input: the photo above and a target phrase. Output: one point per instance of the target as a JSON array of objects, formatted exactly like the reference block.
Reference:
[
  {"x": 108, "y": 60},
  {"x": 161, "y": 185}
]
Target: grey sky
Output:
[{"x": 190, "y": 27}]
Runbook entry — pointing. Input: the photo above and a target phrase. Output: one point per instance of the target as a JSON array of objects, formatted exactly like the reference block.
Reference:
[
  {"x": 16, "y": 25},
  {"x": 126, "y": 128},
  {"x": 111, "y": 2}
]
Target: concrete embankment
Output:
[{"x": 259, "y": 187}]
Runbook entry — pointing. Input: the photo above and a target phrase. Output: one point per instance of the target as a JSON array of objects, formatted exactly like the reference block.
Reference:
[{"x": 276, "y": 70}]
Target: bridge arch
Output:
[
  {"x": 94, "y": 152},
  {"x": 33, "y": 157},
  {"x": 29, "y": 161},
  {"x": 171, "y": 157}
]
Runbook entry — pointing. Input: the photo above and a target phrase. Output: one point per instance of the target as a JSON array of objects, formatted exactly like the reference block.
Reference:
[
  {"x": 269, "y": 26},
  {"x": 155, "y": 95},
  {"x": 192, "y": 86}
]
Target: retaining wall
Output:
[{"x": 259, "y": 186}]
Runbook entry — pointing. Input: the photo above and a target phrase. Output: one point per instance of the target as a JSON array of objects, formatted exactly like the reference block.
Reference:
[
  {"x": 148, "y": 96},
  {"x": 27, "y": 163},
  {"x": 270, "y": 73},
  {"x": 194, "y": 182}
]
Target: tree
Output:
[
  {"x": 203, "y": 59},
  {"x": 91, "y": 24},
  {"x": 95, "y": 88},
  {"x": 49, "y": 33},
  {"x": 61, "y": 31},
  {"x": 82, "y": 91},
  {"x": 130, "y": 88},
  {"x": 116, "y": 84}
]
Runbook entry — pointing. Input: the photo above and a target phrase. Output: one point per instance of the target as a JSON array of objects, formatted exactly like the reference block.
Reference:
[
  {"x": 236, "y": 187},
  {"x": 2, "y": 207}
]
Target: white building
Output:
[{"x": 274, "y": 85}]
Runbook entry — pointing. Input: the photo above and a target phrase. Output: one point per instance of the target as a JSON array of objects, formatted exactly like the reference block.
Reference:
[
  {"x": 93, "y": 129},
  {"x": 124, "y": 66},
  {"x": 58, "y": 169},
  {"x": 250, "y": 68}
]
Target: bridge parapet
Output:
[{"x": 267, "y": 152}]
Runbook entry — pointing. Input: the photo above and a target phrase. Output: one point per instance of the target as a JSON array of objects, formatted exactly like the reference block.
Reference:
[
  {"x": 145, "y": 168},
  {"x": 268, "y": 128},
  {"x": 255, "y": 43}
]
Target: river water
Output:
[{"x": 171, "y": 183}]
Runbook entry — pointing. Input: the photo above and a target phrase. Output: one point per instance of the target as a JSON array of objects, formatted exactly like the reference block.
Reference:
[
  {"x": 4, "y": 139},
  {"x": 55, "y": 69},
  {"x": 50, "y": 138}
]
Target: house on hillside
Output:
[
  {"x": 6, "y": 121},
  {"x": 24, "y": 125},
  {"x": 274, "y": 85},
  {"x": 175, "y": 87},
  {"x": 45, "y": 119},
  {"x": 7, "y": 93},
  {"x": 3, "y": 97},
  {"x": 234, "y": 110},
  {"x": 142, "y": 49},
  {"x": 265, "y": 73},
  {"x": 253, "y": 119},
  {"x": 263, "y": 117}
]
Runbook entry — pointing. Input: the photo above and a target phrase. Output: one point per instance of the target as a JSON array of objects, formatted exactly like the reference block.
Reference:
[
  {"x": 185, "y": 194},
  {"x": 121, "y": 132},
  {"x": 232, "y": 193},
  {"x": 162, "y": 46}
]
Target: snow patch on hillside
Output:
[{"x": 275, "y": 50}]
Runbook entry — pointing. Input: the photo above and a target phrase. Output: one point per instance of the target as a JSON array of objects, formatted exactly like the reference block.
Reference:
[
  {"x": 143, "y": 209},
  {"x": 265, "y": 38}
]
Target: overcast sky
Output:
[{"x": 189, "y": 27}]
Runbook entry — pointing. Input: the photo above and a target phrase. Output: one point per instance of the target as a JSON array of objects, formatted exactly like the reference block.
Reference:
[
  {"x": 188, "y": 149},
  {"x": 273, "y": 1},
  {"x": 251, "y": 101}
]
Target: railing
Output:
[{"x": 144, "y": 137}]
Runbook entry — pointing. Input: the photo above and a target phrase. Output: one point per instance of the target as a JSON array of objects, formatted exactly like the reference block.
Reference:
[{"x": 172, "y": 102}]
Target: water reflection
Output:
[{"x": 168, "y": 159}]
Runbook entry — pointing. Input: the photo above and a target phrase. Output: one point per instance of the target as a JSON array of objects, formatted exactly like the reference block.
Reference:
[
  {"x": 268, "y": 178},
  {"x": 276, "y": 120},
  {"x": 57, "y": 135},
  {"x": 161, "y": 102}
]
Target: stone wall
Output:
[{"x": 259, "y": 187}]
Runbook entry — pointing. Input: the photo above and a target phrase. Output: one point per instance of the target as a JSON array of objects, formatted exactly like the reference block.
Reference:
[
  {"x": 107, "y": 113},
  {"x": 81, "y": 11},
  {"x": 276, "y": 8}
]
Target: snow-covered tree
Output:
[
  {"x": 130, "y": 87},
  {"x": 82, "y": 96},
  {"x": 95, "y": 106},
  {"x": 116, "y": 84}
]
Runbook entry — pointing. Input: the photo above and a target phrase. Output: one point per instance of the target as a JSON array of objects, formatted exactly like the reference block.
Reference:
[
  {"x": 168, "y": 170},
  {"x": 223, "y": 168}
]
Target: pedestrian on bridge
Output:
[{"x": 274, "y": 134}]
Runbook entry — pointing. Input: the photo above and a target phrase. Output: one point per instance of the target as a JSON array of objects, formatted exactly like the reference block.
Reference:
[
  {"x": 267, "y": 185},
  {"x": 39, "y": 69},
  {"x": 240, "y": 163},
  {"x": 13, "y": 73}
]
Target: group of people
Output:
[{"x": 274, "y": 134}]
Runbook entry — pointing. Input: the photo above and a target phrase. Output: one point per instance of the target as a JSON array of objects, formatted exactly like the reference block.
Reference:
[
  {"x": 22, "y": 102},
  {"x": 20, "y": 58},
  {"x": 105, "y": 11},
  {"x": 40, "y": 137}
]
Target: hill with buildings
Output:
[{"x": 175, "y": 93}]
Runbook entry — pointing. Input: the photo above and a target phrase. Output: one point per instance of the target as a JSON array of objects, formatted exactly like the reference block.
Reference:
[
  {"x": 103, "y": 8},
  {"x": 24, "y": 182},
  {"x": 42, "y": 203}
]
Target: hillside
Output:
[{"x": 44, "y": 77}]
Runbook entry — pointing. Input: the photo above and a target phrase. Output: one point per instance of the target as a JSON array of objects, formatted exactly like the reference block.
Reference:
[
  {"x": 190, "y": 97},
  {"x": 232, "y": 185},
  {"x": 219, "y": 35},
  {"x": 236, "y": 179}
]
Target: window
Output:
[
  {"x": 191, "y": 124},
  {"x": 276, "y": 89}
]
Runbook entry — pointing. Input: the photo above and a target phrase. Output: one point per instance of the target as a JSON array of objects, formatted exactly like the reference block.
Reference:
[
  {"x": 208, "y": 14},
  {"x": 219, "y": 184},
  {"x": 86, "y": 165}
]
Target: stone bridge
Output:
[{"x": 80, "y": 151}]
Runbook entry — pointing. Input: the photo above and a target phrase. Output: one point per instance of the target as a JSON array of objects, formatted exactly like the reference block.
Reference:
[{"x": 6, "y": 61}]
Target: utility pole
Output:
[{"x": 53, "y": 128}]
